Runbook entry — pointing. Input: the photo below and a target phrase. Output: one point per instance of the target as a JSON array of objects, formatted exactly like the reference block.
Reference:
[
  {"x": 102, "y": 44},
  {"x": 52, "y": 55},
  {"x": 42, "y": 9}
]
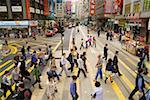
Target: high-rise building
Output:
[{"x": 23, "y": 9}]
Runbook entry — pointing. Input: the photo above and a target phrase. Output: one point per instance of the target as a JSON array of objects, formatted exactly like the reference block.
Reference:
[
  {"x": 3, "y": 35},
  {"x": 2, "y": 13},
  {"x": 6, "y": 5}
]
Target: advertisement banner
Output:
[
  {"x": 92, "y": 7},
  {"x": 118, "y": 6},
  {"x": 68, "y": 7},
  {"x": 14, "y": 23},
  {"x": 3, "y": 9},
  {"x": 28, "y": 9},
  {"x": 108, "y": 7},
  {"x": 149, "y": 25},
  {"x": 46, "y": 12}
]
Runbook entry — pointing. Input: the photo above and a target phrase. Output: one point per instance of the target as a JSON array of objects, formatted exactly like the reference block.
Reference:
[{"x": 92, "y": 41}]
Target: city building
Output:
[
  {"x": 59, "y": 11},
  {"x": 23, "y": 9},
  {"x": 136, "y": 14}
]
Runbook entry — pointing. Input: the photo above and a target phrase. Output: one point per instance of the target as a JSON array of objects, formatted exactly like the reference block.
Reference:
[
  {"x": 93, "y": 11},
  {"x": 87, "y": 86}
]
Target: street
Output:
[{"x": 119, "y": 89}]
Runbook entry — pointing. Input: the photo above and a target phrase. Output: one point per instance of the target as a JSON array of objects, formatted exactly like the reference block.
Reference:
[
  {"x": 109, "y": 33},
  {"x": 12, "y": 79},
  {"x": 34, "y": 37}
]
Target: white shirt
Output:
[
  {"x": 80, "y": 63},
  {"x": 99, "y": 93},
  {"x": 63, "y": 60}
]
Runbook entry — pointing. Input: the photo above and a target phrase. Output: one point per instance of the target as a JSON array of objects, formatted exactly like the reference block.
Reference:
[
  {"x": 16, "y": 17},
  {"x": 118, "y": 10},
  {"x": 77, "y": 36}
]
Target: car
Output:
[{"x": 49, "y": 33}]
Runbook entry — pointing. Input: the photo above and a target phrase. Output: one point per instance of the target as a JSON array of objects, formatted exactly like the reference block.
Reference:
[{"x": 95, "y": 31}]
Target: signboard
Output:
[
  {"x": 92, "y": 7},
  {"x": 28, "y": 9},
  {"x": 118, "y": 6},
  {"x": 108, "y": 7},
  {"x": 3, "y": 9},
  {"x": 33, "y": 23},
  {"x": 37, "y": 1},
  {"x": 16, "y": 8},
  {"x": 42, "y": 12},
  {"x": 149, "y": 25},
  {"x": 32, "y": 10},
  {"x": 14, "y": 23},
  {"x": 37, "y": 11},
  {"x": 46, "y": 11}
]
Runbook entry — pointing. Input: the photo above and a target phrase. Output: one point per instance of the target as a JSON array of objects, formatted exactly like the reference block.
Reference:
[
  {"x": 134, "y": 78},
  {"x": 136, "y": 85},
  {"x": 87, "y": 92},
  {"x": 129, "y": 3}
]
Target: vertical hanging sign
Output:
[
  {"x": 92, "y": 7},
  {"x": 46, "y": 7},
  {"x": 28, "y": 15}
]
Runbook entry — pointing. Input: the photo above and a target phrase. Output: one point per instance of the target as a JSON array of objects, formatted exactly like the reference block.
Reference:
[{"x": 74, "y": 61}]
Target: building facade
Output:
[
  {"x": 137, "y": 14},
  {"x": 23, "y": 9}
]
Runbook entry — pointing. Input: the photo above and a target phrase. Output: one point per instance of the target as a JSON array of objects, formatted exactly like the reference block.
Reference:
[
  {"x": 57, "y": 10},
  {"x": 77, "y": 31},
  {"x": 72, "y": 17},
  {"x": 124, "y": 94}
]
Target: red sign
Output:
[
  {"x": 118, "y": 6},
  {"x": 28, "y": 15},
  {"x": 92, "y": 7},
  {"x": 46, "y": 12}
]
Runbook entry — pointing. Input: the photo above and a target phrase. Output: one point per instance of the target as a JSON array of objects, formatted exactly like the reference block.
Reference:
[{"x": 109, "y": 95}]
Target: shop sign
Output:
[
  {"x": 46, "y": 11},
  {"x": 33, "y": 23},
  {"x": 37, "y": 1},
  {"x": 32, "y": 10},
  {"x": 38, "y": 11},
  {"x": 28, "y": 9},
  {"x": 14, "y": 23},
  {"x": 16, "y": 8},
  {"x": 127, "y": 8},
  {"x": 118, "y": 5},
  {"x": 137, "y": 7},
  {"x": 3, "y": 9},
  {"x": 108, "y": 7},
  {"x": 42, "y": 12},
  {"x": 149, "y": 25},
  {"x": 92, "y": 7}
]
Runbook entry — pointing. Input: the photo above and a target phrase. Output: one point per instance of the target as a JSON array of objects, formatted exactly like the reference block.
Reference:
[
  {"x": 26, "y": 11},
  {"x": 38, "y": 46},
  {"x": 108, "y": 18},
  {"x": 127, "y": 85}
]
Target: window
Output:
[
  {"x": 15, "y": 2},
  {"x": 32, "y": 3},
  {"x": 146, "y": 5},
  {"x": 3, "y": 3},
  {"x": 137, "y": 8}
]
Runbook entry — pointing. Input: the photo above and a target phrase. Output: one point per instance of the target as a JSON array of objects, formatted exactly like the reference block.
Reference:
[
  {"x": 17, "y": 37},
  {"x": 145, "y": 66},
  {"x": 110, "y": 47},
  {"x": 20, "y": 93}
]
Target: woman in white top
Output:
[
  {"x": 98, "y": 92},
  {"x": 51, "y": 90},
  {"x": 81, "y": 66}
]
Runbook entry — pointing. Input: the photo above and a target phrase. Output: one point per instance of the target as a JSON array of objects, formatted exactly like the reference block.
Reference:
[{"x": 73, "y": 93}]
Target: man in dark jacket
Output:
[
  {"x": 139, "y": 85},
  {"x": 105, "y": 52},
  {"x": 71, "y": 60},
  {"x": 115, "y": 63}
]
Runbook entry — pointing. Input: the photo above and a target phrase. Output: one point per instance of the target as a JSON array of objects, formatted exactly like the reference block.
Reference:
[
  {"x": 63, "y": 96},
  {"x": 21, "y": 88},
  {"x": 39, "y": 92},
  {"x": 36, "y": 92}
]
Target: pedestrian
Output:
[
  {"x": 146, "y": 52},
  {"x": 16, "y": 77},
  {"x": 90, "y": 40},
  {"x": 73, "y": 88},
  {"x": 41, "y": 57},
  {"x": 141, "y": 65},
  {"x": 53, "y": 68},
  {"x": 63, "y": 63},
  {"x": 108, "y": 70},
  {"x": 6, "y": 84},
  {"x": 24, "y": 73},
  {"x": 99, "y": 66},
  {"x": 107, "y": 35},
  {"x": 110, "y": 35},
  {"x": 81, "y": 46},
  {"x": 98, "y": 92},
  {"x": 94, "y": 42},
  {"x": 71, "y": 60},
  {"x": 86, "y": 44},
  {"x": 52, "y": 89},
  {"x": 81, "y": 66},
  {"x": 84, "y": 61},
  {"x": 49, "y": 52},
  {"x": 23, "y": 52},
  {"x": 105, "y": 51},
  {"x": 75, "y": 56},
  {"x": 139, "y": 85},
  {"x": 28, "y": 51},
  {"x": 34, "y": 35},
  {"x": 98, "y": 32},
  {"x": 23, "y": 93},
  {"x": 37, "y": 74},
  {"x": 115, "y": 63},
  {"x": 73, "y": 41},
  {"x": 34, "y": 59}
]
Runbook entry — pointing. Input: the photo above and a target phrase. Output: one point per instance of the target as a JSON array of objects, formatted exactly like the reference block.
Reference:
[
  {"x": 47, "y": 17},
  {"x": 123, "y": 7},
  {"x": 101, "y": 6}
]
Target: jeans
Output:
[{"x": 99, "y": 72}]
